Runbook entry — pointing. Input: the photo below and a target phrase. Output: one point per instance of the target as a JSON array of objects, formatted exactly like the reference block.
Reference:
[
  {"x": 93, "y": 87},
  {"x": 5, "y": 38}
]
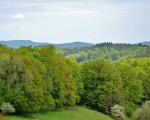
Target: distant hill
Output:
[
  {"x": 73, "y": 44},
  {"x": 18, "y": 43},
  {"x": 143, "y": 43}
]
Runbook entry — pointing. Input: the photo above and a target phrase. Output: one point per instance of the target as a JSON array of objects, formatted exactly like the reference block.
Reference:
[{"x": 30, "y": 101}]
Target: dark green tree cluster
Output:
[
  {"x": 107, "y": 50},
  {"x": 117, "y": 46}
]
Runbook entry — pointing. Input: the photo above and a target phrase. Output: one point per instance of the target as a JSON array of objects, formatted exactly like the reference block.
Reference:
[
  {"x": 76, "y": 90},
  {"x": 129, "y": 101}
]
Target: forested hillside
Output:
[
  {"x": 109, "y": 51},
  {"x": 40, "y": 79}
]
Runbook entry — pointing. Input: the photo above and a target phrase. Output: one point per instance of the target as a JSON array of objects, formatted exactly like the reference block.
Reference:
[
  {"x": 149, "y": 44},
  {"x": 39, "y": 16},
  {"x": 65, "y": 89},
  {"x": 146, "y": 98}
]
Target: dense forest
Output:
[
  {"x": 109, "y": 51},
  {"x": 40, "y": 79}
]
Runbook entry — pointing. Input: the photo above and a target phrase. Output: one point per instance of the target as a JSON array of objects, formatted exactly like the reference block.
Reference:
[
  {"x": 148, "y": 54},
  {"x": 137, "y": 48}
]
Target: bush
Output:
[
  {"x": 144, "y": 112},
  {"x": 118, "y": 112},
  {"x": 7, "y": 108}
]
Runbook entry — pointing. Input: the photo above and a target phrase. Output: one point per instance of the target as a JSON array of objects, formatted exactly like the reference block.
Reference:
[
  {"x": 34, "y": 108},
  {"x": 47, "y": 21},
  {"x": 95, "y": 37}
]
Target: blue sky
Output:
[{"x": 63, "y": 21}]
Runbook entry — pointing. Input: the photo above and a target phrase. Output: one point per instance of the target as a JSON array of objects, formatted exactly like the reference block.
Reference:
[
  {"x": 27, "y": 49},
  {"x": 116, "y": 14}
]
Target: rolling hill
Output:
[{"x": 18, "y": 43}]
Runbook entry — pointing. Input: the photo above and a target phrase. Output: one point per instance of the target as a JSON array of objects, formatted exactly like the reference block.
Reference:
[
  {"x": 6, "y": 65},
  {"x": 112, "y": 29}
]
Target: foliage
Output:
[
  {"x": 135, "y": 77},
  {"x": 7, "y": 108},
  {"x": 144, "y": 112},
  {"x": 109, "y": 51},
  {"x": 118, "y": 112},
  {"x": 36, "y": 79},
  {"x": 102, "y": 85},
  {"x": 76, "y": 71}
]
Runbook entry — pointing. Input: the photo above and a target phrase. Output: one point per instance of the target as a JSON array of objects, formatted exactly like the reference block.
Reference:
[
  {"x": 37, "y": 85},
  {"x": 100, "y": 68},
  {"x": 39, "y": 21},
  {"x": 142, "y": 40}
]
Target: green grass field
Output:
[{"x": 79, "y": 114}]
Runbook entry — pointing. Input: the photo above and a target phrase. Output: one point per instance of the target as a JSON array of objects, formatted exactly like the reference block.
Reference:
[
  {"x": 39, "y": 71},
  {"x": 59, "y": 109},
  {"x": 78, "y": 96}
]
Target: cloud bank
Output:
[{"x": 58, "y": 21}]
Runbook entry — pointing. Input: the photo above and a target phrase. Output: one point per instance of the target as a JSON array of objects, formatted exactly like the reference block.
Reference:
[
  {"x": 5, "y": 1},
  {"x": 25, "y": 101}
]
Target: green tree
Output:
[
  {"x": 132, "y": 79},
  {"x": 102, "y": 85},
  {"x": 76, "y": 72},
  {"x": 63, "y": 77}
]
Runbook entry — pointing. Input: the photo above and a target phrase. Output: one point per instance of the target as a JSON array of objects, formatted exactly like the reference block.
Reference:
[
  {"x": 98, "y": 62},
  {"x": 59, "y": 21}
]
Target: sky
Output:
[{"x": 64, "y": 21}]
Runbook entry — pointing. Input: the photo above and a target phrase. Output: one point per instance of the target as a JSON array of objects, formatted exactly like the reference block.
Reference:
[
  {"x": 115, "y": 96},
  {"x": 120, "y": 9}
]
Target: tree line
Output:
[{"x": 39, "y": 79}]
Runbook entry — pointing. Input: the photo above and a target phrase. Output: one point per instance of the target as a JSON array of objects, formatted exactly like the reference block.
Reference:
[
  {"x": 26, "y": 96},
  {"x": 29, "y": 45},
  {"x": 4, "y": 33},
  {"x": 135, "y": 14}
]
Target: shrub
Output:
[
  {"x": 118, "y": 112},
  {"x": 7, "y": 108},
  {"x": 144, "y": 112}
]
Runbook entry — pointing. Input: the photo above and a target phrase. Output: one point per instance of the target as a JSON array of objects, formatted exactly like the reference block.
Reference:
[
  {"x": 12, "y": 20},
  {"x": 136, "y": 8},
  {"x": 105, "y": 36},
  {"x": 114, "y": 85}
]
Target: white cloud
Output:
[{"x": 19, "y": 16}]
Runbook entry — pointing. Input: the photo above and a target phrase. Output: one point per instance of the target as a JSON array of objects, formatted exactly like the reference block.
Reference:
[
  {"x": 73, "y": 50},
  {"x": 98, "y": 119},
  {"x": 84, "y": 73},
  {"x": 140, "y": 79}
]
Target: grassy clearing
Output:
[{"x": 80, "y": 114}]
